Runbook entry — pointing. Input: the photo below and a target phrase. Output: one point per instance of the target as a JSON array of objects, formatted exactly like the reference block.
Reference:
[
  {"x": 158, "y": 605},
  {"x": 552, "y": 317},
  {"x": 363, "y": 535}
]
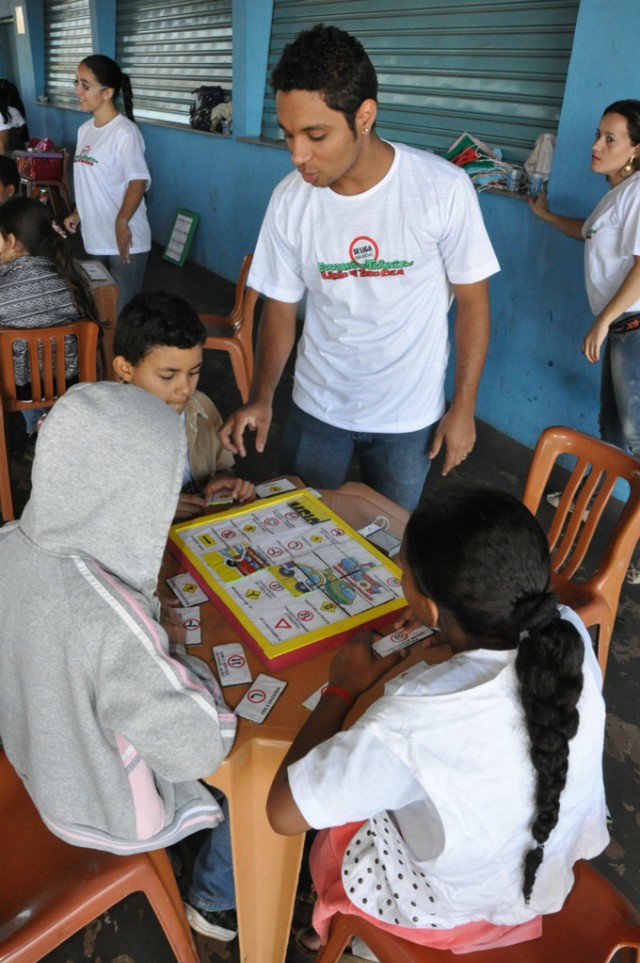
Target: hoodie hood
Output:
[{"x": 106, "y": 479}]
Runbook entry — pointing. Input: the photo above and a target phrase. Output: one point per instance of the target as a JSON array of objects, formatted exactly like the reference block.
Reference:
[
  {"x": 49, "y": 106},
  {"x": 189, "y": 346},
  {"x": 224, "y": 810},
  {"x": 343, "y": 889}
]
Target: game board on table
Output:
[{"x": 290, "y": 575}]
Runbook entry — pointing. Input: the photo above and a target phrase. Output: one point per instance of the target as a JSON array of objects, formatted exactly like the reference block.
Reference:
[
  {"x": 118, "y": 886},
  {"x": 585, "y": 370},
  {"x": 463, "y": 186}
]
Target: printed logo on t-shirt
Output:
[
  {"x": 84, "y": 157},
  {"x": 590, "y": 233},
  {"x": 364, "y": 262}
]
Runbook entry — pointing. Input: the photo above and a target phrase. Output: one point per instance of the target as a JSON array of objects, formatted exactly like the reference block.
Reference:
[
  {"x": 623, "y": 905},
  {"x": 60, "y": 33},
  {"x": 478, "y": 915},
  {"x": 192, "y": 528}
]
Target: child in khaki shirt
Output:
[{"x": 158, "y": 346}]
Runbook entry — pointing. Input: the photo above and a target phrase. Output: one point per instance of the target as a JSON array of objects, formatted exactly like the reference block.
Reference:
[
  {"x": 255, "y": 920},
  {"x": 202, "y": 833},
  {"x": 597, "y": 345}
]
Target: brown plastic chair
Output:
[
  {"x": 47, "y": 382},
  {"x": 595, "y": 922},
  {"x": 234, "y": 332},
  {"x": 49, "y": 890},
  {"x": 589, "y": 489}
]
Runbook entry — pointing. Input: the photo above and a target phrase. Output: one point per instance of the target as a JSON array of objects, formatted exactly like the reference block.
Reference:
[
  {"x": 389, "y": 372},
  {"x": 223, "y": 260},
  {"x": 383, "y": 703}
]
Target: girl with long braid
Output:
[
  {"x": 479, "y": 779},
  {"x": 111, "y": 176},
  {"x": 39, "y": 284}
]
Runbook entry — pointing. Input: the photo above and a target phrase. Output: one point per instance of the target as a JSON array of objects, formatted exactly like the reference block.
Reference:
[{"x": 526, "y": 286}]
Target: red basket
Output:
[{"x": 39, "y": 165}]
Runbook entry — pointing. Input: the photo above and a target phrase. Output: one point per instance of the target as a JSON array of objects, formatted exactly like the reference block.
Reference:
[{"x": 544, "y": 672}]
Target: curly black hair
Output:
[
  {"x": 156, "y": 318},
  {"x": 331, "y": 62}
]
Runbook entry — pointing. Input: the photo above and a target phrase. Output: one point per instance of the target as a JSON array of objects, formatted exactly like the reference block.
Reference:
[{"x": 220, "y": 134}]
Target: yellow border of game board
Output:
[{"x": 274, "y": 652}]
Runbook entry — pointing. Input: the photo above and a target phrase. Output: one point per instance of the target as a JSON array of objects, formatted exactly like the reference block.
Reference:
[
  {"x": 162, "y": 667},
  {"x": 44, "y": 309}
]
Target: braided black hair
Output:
[
  {"x": 483, "y": 558},
  {"x": 31, "y": 224},
  {"x": 108, "y": 73}
]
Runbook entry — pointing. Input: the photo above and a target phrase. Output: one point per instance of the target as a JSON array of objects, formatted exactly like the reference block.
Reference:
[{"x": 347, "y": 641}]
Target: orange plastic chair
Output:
[
  {"x": 234, "y": 332},
  {"x": 589, "y": 489},
  {"x": 47, "y": 382},
  {"x": 595, "y": 922},
  {"x": 50, "y": 890}
]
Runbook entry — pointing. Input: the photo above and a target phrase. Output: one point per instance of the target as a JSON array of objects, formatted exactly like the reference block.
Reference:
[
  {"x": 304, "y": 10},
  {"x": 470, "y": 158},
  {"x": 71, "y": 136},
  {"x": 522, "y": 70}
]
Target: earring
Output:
[
  {"x": 629, "y": 167},
  {"x": 365, "y": 130}
]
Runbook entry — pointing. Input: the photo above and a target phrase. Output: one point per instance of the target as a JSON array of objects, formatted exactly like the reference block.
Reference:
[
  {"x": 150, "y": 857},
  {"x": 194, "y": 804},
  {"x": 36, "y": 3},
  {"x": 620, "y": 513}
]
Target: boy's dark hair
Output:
[
  {"x": 483, "y": 558},
  {"x": 331, "y": 62},
  {"x": 156, "y": 318},
  {"x": 9, "y": 172}
]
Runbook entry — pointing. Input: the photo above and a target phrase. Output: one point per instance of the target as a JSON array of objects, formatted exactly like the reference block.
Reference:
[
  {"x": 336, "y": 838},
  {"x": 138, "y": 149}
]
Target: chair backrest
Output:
[
  {"x": 46, "y": 353},
  {"x": 587, "y": 493},
  {"x": 236, "y": 315}
]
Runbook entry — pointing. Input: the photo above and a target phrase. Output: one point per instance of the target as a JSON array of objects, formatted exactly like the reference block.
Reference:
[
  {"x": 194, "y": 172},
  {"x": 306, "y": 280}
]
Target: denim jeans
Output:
[
  {"x": 32, "y": 416},
  {"x": 396, "y": 465},
  {"x": 620, "y": 391},
  {"x": 212, "y": 887},
  {"x": 128, "y": 277}
]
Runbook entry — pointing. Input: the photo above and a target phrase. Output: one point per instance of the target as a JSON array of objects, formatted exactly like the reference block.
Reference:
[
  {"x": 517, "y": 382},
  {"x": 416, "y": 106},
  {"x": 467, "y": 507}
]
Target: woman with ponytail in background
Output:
[
  {"x": 479, "y": 780},
  {"x": 110, "y": 177},
  {"x": 39, "y": 284}
]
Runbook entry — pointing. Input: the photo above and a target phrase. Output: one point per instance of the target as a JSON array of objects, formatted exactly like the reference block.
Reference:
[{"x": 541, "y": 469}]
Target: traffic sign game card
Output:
[
  {"x": 191, "y": 623},
  {"x": 231, "y": 662},
  {"x": 187, "y": 590},
  {"x": 257, "y": 703}
]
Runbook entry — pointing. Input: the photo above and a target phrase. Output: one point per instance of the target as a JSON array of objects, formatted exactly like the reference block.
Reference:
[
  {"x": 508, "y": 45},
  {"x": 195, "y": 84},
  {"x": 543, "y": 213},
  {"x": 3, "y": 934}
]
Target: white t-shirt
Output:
[
  {"x": 440, "y": 769},
  {"x": 107, "y": 159},
  {"x": 376, "y": 267},
  {"x": 15, "y": 119},
  {"x": 612, "y": 238}
]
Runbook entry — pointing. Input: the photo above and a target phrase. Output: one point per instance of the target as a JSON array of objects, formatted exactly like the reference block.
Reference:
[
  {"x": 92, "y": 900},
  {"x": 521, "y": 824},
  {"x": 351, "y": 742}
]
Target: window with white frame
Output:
[
  {"x": 169, "y": 49},
  {"x": 67, "y": 41},
  {"x": 495, "y": 68}
]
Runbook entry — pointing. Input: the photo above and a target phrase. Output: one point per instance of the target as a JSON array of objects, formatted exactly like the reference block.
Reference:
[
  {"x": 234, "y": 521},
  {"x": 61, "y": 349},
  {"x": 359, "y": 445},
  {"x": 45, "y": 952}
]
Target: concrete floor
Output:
[{"x": 129, "y": 933}]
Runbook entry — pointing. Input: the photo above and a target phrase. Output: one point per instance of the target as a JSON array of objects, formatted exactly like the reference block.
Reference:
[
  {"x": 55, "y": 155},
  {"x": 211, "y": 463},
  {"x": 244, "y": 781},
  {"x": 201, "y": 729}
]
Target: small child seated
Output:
[{"x": 158, "y": 346}]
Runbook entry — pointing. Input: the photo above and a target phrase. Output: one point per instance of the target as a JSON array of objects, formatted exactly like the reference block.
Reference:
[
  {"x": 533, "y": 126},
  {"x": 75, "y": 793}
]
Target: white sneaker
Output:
[
  {"x": 553, "y": 498},
  {"x": 633, "y": 575},
  {"x": 220, "y": 925},
  {"x": 362, "y": 951}
]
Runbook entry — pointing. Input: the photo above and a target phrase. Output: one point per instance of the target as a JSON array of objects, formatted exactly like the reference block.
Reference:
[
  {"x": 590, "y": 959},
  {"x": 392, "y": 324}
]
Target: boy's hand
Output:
[
  {"x": 188, "y": 507},
  {"x": 241, "y": 491},
  {"x": 356, "y": 669}
]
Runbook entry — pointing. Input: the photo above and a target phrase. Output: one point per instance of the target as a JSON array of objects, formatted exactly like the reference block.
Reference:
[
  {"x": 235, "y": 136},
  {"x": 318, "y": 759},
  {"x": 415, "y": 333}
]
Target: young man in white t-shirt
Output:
[{"x": 378, "y": 236}]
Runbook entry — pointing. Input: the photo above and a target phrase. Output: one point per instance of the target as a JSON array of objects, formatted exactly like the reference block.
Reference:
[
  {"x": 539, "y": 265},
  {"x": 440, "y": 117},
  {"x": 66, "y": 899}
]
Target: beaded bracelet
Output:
[{"x": 339, "y": 691}]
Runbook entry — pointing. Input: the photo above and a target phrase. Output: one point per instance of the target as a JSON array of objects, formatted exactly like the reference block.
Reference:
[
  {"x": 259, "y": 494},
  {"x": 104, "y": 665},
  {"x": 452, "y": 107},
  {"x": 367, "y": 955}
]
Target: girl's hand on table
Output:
[
  {"x": 407, "y": 622},
  {"x": 356, "y": 668}
]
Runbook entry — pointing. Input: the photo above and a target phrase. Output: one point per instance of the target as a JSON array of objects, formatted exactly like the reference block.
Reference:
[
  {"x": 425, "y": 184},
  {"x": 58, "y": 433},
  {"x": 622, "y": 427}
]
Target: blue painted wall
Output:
[{"x": 535, "y": 374}]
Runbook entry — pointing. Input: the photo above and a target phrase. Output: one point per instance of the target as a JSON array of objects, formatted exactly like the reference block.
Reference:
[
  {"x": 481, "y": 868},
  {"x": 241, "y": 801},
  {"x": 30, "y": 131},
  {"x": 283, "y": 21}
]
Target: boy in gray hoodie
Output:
[{"x": 109, "y": 724}]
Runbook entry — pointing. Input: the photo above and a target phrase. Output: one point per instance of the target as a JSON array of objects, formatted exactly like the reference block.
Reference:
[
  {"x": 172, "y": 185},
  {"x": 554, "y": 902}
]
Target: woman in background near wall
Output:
[
  {"x": 110, "y": 177},
  {"x": 13, "y": 127},
  {"x": 612, "y": 272}
]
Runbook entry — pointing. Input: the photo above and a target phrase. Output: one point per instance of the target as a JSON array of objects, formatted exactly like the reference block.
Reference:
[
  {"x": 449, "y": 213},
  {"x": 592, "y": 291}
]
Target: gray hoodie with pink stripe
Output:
[{"x": 109, "y": 730}]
